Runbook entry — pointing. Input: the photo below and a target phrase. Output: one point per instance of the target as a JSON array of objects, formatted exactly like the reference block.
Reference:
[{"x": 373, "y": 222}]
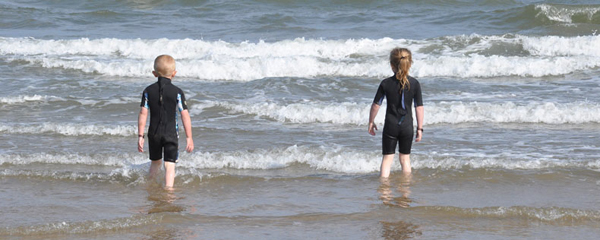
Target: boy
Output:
[{"x": 163, "y": 99}]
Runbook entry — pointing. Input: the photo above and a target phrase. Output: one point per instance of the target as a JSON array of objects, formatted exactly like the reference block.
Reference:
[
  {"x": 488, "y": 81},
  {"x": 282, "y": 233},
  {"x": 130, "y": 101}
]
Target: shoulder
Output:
[
  {"x": 388, "y": 81},
  {"x": 178, "y": 89},
  {"x": 154, "y": 85},
  {"x": 413, "y": 81}
]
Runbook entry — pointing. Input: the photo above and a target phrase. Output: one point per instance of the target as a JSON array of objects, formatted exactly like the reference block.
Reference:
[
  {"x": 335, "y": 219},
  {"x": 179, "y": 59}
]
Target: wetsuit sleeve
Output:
[
  {"x": 144, "y": 102},
  {"x": 181, "y": 103},
  {"x": 379, "y": 96},
  {"x": 418, "y": 98}
]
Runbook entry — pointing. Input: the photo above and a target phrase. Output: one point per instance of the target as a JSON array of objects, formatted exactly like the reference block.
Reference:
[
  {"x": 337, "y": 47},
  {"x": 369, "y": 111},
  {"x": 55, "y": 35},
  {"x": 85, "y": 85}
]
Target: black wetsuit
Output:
[
  {"x": 398, "y": 127},
  {"x": 163, "y": 99}
]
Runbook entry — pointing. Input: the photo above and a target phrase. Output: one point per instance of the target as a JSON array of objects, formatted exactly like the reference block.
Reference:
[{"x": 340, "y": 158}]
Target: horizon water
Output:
[{"x": 279, "y": 94}]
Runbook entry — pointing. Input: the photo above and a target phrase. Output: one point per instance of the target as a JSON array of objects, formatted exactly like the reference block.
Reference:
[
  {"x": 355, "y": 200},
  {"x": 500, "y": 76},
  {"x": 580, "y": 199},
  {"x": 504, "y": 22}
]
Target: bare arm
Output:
[
  {"x": 372, "y": 114},
  {"x": 420, "y": 112},
  {"x": 187, "y": 126},
  {"x": 142, "y": 118}
]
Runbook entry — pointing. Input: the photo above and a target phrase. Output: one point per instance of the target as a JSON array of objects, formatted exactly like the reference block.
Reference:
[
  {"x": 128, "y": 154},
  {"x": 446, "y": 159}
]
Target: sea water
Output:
[{"x": 279, "y": 93}]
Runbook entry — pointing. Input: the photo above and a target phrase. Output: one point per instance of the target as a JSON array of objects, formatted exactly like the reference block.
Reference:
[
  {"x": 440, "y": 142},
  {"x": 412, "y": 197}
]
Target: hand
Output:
[
  {"x": 190, "y": 145},
  {"x": 140, "y": 144},
  {"x": 419, "y": 135},
  {"x": 372, "y": 128}
]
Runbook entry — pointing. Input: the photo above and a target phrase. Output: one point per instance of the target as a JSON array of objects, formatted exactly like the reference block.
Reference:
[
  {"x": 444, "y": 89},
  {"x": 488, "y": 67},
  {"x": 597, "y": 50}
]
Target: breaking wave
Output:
[{"x": 462, "y": 56}]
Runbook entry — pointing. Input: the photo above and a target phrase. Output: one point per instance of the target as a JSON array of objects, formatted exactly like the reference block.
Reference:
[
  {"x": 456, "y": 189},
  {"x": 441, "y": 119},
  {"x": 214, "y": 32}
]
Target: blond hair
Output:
[
  {"x": 401, "y": 61},
  {"x": 164, "y": 66}
]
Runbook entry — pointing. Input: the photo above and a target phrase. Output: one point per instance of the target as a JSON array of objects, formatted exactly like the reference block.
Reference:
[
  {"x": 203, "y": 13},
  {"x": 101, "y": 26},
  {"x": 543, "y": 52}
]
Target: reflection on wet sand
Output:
[
  {"x": 164, "y": 233},
  {"x": 386, "y": 190},
  {"x": 167, "y": 232},
  {"x": 395, "y": 191},
  {"x": 399, "y": 230},
  {"x": 162, "y": 199}
]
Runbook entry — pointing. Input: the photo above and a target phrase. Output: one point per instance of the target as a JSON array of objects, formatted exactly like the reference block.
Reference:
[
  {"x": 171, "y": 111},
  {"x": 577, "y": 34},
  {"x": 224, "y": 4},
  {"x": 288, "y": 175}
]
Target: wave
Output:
[
  {"x": 122, "y": 175},
  {"x": 351, "y": 113},
  {"x": 41, "y": 99},
  {"x": 454, "y": 56},
  {"x": 26, "y": 99},
  {"x": 315, "y": 112},
  {"x": 550, "y": 214},
  {"x": 511, "y": 162},
  {"x": 338, "y": 159},
  {"x": 119, "y": 160},
  {"x": 435, "y": 113},
  {"x": 333, "y": 159},
  {"x": 84, "y": 227},
  {"x": 510, "y": 112},
  {"x": 344, "y": 160},
  {"x": 568, "y": 13},
  {"x": 71, "y": 129}
]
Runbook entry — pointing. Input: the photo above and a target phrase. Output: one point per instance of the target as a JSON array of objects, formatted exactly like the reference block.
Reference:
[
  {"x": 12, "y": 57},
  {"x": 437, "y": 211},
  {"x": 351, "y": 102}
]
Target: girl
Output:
[{"x": 400, "y": 91}]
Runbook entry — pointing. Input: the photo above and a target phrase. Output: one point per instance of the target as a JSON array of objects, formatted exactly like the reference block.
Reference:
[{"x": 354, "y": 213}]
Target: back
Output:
[
  {"x": 163, "y": 99},
  {"x": 390, "y": 89}
]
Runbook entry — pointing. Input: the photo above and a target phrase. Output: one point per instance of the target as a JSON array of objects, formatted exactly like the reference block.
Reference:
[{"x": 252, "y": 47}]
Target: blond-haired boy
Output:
[{"x": 163, "y": 100}]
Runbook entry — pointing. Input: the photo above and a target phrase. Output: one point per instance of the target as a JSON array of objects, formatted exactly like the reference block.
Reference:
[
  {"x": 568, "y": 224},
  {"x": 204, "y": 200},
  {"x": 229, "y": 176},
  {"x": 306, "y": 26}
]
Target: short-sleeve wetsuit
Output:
[
  {"x": 398, "y": 127},
  {"x": 163, "y": 99}
]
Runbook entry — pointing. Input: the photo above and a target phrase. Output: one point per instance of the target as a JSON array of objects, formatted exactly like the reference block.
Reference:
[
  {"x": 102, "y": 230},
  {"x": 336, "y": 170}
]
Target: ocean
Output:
[{"x": 279, "y": 94}]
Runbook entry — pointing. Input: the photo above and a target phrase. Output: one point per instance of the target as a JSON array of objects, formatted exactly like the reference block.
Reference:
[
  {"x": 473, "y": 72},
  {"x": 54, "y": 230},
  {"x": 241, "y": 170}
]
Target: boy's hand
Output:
[
  {"x": 140, "y": 144},
  {"x": 372, "y": 128},
  {"x": 190, "y": 145}
]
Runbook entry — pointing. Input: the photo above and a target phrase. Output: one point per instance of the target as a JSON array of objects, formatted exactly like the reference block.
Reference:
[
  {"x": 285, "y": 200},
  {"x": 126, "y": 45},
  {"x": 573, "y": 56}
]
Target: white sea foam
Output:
[
  {"x": 458, "y": 56},
  {"x": 550, "y": 214},
  {"x": 329, "y": 158},
  {"x": 124, "y": 174},
  {"x": 337, "y": 159},
  {"x": 436, "y": 113},
  {"x": 20, "y": 99},
  {"x": 564, "y": 13},
  {"x": 548, "y": 56},
  {"x": 562, "y": 46},
  {"x": 510, "y": 112},
  {"x": 344, "y": 160},
  {"x": 87, "y": 227},
  {"x": 71, "y": 129},
  {"x": 312, "y": 112},
  {"x": 498, "y": 66},
  {"x": 122, "y": 160},
  {"x": 25, "y": 98}
]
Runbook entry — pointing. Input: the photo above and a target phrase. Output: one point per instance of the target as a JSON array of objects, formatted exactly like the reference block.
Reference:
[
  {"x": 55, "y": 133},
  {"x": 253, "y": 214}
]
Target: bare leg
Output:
[
  {"x": 169, "y": 174},
  {"x": 386, "y": 165},
  {"x": 154, "y": 169},
  {"x": 405, "y": 162}
]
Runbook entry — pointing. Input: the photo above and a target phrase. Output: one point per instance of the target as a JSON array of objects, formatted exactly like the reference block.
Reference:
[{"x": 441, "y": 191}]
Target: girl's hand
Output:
[{"x": 419, "y": 135}]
